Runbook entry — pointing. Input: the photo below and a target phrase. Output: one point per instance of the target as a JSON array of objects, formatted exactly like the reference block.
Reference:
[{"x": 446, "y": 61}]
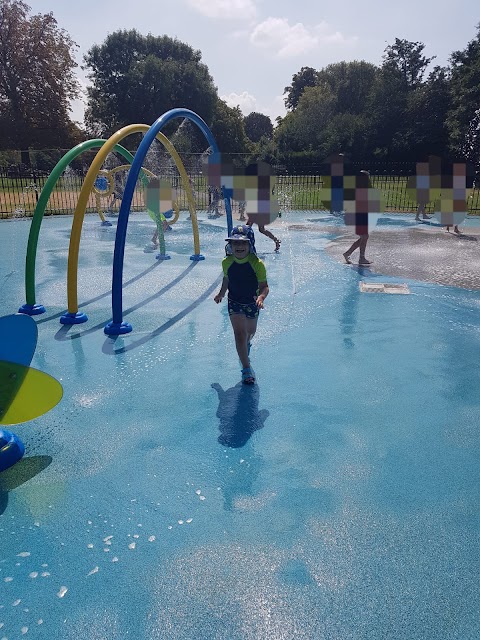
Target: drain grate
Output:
[{"x": 383, "y": 287}]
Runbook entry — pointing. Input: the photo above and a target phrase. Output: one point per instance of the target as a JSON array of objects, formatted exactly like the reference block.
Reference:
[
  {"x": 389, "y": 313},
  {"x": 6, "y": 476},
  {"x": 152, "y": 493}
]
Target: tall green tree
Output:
[
  {"x": 304, "y": 129},
  {"x": 286, "y": 134},
  {"x": 398, "y": 92},
  {"x": 258, "y": 125},
  {"x": 424, "y": 128},
  {"x": 406, "y": 60},
  {"x": 465, "y": 95},
  {"x": 351, "y": 83},
  {"x": 265, "y": 150},
  {"x": 332, "y": 115},
  {"x": 306, "y": 77},
  {"x": 136, "y": 78},
  {"x": 37, "y": 79},
  {"x": 471, "y": 146},
  {"x": 228, "y": 128}
]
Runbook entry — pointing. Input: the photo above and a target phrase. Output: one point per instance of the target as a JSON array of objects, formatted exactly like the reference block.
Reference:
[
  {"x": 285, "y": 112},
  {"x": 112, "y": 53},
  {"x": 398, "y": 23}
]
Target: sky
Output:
[{"x": 253, "y": 48}]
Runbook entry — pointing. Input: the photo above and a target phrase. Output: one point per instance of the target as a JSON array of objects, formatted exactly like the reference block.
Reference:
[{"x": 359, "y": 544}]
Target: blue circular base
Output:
[
  {"x": 32, "y": 309},
  {"x": 106, "y": 223},
  {"x": 117, "y": 328},
  {"x": 11, "y": 449},
  {"x": 197, "y": 257},
  {"x": 162, "y": 256},
  {"x": 74, "y": 318}
]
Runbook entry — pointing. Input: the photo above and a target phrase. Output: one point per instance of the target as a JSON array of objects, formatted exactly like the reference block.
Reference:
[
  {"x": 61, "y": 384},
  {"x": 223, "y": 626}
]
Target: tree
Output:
[
  {"x": 286, "y": 134},
  {"x": 264, "y": 150},
  {"x": 37, "y": 79},
  {"x": 394, "y": 106},
  {"x": 405, "y": 59},
  {"x": 228, "y": 129},
  {"x": 465, "y": 94},
  {"x": 349, "y": 133},
  {"x": 306, "y": 77},
  {"x": 351, "y": 83},
  {"x": 389, "y": 112},
  {"x": 471, "y": 147},
  {"x": 424, "y": 128},
  {"x": 136, "y": 78},
  {"x": 333, "y": 114},
  {"x": 257, "y": 125},
  {"x": 304, "y": 129}
]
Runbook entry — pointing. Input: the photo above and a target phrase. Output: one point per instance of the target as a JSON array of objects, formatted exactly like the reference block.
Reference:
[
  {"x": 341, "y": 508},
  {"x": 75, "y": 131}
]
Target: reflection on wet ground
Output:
[{"x": 405, "y": 249}]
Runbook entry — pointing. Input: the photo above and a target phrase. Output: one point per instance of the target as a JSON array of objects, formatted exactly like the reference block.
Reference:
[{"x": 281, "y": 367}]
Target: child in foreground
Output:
[{"x": 245, "y": 278}]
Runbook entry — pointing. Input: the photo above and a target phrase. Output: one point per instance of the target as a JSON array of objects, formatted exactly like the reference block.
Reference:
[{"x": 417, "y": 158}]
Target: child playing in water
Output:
[
  {"x": 361, "y": 224},
  {"x": 265, "y": 192},
  {"x": 245, "y": 278},
  {"x": 266, "y": 232},
  {"x": 165, "y": 225}
]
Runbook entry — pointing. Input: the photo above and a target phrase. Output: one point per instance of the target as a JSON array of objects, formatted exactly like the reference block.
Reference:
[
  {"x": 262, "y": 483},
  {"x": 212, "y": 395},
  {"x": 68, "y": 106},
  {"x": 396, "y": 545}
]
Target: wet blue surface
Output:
[{"x": 161, "y": 499}]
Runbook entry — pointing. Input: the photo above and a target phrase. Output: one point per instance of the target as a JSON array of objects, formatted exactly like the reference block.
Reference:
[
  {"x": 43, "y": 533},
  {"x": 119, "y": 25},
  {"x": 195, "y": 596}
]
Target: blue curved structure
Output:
[{"x": 117, "y": 326}]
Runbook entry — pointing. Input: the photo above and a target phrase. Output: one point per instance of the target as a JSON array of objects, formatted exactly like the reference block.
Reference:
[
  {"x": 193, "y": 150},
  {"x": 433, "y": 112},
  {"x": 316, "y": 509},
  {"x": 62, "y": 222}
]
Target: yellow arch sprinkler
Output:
[{"x": 73, "y": 316}]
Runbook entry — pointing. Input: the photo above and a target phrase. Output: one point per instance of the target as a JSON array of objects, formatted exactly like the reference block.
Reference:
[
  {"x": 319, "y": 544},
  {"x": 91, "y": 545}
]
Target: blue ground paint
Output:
[{"x": 346, "y": 508}]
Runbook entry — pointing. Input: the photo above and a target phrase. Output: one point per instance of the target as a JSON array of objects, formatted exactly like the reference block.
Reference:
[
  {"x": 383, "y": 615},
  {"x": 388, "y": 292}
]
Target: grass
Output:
[
  {"x": 18, "y": 195},
  {"x": 306, "y": 195}
]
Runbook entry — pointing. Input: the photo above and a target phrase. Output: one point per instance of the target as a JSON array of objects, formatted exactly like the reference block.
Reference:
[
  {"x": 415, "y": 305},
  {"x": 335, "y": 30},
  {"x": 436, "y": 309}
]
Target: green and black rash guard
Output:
[{"x": 243, "y": 277}]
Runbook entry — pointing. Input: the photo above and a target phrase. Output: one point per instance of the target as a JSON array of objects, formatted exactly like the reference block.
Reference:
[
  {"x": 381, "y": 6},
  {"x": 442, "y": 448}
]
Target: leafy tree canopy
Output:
[
  {"x": 228, "y": 128},
  {"x": 136, "y": 78},
  {"x": 406, "y": 59},
  {"x": 332, "y": 114},
  {"x": 304, "y": 129},
  {"x": 258, "y": 125},
  {"x": 398, "y": 105},
  {"x": 306, "y": 77},
  {"x": 463, "y": 119},
  {"x": 37, "y": 79},
  {"x": 351, "y": 83}
]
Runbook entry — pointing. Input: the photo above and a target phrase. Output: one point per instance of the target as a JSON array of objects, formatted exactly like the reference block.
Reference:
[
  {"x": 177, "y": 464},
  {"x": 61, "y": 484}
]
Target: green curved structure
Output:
[{"x": 30, "y": 307}]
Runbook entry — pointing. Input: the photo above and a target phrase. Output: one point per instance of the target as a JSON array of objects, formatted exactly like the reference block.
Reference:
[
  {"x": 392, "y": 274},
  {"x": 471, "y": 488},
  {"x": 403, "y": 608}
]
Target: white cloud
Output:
[
  {"x": 228, "y": 9},
  {"x": 275, "y": 108},
  {"x": 240, "y": 34},
  {"x": 244, "y": 100},
  {"x": 277, "y": 35},
  {"x": 248, "y": 103}
]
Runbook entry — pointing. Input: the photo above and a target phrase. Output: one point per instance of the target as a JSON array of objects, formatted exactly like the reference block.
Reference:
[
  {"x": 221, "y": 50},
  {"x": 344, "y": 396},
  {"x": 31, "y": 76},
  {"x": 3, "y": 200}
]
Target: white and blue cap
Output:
[{"x": 243, "y": 232}]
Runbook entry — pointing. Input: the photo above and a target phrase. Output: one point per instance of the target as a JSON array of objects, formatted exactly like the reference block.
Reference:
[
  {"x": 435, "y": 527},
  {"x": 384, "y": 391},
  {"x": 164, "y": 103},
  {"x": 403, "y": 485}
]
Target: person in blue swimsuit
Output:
[{"x": 245, "y": 278}]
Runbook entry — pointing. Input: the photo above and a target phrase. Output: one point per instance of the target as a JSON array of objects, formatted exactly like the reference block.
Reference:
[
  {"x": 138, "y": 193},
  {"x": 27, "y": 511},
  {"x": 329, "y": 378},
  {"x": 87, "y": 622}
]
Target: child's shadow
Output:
[{"x": 238, "y": 414}]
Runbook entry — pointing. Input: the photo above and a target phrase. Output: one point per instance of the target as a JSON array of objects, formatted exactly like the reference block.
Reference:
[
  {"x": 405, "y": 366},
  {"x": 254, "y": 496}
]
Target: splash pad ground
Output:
[{"x": 337, "y": 499}]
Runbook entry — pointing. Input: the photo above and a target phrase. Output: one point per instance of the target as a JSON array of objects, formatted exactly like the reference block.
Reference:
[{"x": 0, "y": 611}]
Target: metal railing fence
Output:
[{"x": 19, "y": 193}]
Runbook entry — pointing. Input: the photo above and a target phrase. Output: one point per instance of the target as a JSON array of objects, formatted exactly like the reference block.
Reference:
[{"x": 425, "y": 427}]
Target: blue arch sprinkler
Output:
[{"x": 118, "y": 326}]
